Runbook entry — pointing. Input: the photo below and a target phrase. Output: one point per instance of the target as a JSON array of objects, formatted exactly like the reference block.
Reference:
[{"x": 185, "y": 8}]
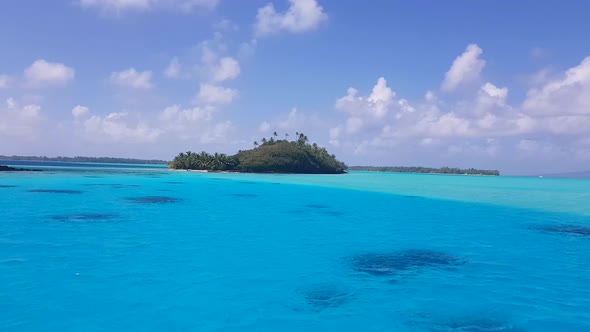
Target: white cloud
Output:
[
  {"x": 376, "y": 105},
  {"x": 173, "y": 69},
  {"x": 301, "y": 16},
  {"x": 215, "y": 95},
  {"x": 131, "y": 78},
  {"x": 465, "y": 69},
  {"x": 370, "y": 111},
  {"x": 495, "y": 92},
  {"x": 226, "y": 25},
  {"x": 228, "y": 68},
  {"x": 116, "y": 127},
  {"x": 480, "y": 126},
  {"x": 264, "y": 127},
  {"x": 23, "y": 122},
  {"x": 4, "y": 80},
  {"x": 215, "y": 65},
  {"x": 292, "y": 122},
  {"x": 80, "y": 111},
  {"x": 566, "y": 95},
  {"x": 194, "y": 124},
  {"x": 175, "y": 114},
  {"x": 10, "y": 103},
  {"x": 120, "y": 6},
  {"x": 43, "y": 73}
]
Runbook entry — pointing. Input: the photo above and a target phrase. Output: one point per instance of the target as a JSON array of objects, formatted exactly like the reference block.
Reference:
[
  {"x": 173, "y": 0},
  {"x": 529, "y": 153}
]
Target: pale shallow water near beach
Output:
[{"x": 101, "y": 247}]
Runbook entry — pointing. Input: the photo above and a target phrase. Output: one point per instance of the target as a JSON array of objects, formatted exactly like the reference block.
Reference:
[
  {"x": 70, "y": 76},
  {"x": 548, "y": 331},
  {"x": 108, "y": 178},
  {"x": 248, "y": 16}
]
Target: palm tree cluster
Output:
[
  {"x": 204, "y": 161},
  {"x": 301, "y": 139}
]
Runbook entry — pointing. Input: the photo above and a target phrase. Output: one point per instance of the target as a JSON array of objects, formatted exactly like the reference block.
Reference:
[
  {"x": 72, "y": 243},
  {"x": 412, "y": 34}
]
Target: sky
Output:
[{"x": 461, "y": 83}]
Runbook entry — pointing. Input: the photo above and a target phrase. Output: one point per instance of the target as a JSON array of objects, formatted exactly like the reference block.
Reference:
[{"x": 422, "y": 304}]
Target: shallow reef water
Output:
[{"x": 190, "y": 251}]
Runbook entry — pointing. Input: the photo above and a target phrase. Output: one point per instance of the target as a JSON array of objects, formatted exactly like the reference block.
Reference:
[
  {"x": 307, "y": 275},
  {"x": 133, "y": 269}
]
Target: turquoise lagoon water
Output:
[{"x": 97, "y": 247}]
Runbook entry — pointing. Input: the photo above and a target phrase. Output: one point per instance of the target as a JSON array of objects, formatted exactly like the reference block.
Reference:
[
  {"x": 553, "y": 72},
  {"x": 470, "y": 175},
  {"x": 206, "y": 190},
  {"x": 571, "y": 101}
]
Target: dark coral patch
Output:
[
  {"x": 333, "y": 213},
  {"x": 483, "y": 325},
  {"x": 317, "y": 206},
  {"x": 296, "y": 211},
  {"x": 112, "y": 185},
  {"x": 244, "y": 195},
  {"x": 325, "y": 297},
  {"x": 566, "y": 229},
  {"x": 174, "y": 182},
  {"x": 83, "y": 217},
  {"x": 153, "y": 199},
  {"x": 7, "y": 186},
  {"x": 55, "y": 191},
  {"x": 406, "y": 260}
]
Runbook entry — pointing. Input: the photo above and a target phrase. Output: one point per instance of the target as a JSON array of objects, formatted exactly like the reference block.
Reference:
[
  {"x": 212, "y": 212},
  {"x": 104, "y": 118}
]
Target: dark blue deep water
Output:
[{"x": 146, "y": 249}]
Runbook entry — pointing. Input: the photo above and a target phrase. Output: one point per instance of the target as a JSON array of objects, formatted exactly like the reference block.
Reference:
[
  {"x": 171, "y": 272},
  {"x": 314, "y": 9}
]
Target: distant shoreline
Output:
[
  {"x": 80, "y": 159},
  {"x": 426, "y": 170}
]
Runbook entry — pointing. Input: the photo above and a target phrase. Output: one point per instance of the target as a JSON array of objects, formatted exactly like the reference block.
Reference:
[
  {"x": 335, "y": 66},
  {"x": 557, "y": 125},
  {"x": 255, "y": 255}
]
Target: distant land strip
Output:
[
  {"x": 85, "y": 159},
  {"x": 426, "y": 170}
]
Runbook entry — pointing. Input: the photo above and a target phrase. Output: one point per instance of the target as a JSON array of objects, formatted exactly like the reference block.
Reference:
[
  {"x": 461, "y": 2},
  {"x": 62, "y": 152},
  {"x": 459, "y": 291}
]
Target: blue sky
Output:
[{"x": 502, "y": 85}]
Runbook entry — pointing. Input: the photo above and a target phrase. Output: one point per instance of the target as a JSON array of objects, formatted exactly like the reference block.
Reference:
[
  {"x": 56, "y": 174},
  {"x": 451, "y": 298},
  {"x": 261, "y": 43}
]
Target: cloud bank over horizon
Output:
[{"x": 211, "y": 94}]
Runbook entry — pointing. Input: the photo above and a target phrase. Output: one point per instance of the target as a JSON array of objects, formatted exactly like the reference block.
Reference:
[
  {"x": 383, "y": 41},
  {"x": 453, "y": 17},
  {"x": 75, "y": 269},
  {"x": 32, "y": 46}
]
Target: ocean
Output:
[{"x": 110, "y": 247}]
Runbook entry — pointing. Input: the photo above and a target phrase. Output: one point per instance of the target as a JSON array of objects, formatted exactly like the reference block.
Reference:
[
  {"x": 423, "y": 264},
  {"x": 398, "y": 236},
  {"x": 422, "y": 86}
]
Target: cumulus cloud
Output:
[
  {"x": 465, "y": 69},
  {"x": 4, "y": 79},
  {"x": 376, "y": 105},
  {"x": 132, "y": 78},
  {"x": 22, "y": 121},
  {"x": 369, "y": 111},
  {"x": 80, "y": 111},
  {"x": 264, "y": 127},
  {"x": 173, "y": 123},
  {"x": 116, "y": 127},
  {"x": 120, "y": 6},
  {"x": 227, "y": 68},
  {"x": 173, "y": 69},
  {"x": 292, "y": 122},
  {"x": 301, "y": 16},
  {"x": 552, "y": 120},
  {"x": 195, "y": 124},
  {"x": 215, "y": 65},
  {"x": 566, "y": 95},
  {"x": 215, "y": 95},
  {"x": 43, "y": 73}
]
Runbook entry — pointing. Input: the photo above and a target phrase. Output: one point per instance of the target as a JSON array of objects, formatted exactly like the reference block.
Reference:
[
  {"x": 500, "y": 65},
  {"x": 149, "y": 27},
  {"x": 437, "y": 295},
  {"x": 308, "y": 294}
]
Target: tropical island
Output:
[
  {"x": 271, "y": 155},
  {"x": 426, "y": 170}
]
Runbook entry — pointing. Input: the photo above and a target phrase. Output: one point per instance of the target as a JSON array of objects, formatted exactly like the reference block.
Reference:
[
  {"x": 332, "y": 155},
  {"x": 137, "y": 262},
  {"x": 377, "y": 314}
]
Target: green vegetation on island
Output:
[
  {"x": 271, "y": 155},
  {"x": 427, "y": 170},
  {"x": 85, "y": 159}
]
